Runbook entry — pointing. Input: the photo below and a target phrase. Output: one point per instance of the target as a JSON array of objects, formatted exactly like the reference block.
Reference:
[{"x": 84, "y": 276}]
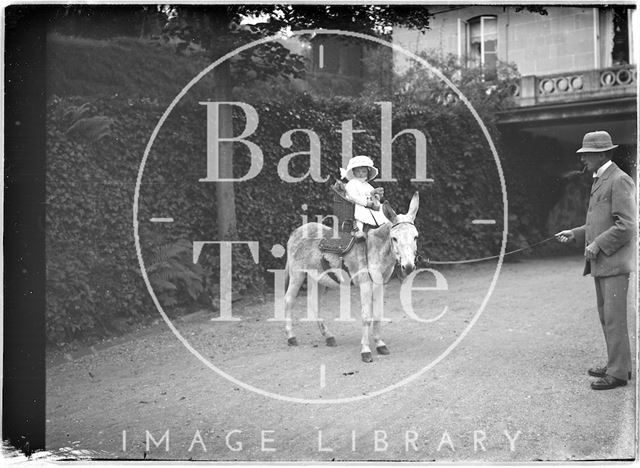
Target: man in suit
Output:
[{"x": 608, "y": 236}]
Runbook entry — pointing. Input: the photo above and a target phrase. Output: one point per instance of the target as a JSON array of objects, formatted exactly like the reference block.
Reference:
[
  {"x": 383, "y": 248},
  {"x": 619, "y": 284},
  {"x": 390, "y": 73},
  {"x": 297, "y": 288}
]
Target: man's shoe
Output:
[
  {"x": 597, "y": 371},
  {"x": 607, "y": 382},
  {"x": 602, "y": 372}
]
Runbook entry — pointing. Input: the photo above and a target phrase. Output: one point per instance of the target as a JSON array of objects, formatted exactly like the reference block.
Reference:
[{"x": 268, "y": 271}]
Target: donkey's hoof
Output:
[
  {"x": 382, "y": 350},
  {"x": 331, "y": 341},
  {"x": 292, "y": 341},
  {"x": 366, "y": 357}
]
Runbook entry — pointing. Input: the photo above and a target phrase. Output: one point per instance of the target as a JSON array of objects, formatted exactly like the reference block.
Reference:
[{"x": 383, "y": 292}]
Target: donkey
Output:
[{"x": 369, "y": 265}]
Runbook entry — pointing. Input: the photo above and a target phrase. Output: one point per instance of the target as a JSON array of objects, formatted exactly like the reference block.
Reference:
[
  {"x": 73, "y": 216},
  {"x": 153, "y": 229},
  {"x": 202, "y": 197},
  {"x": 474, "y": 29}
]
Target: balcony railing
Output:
[{"x": 572, "y": 86}]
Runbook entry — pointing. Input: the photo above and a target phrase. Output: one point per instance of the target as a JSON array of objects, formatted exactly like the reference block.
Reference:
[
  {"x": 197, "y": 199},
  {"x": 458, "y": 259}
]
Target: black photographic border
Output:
[{"x": 23, "y": 393}]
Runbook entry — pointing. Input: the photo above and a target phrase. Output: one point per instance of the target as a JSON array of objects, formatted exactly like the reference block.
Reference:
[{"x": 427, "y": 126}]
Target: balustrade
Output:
[{"x": 570, "y": 86}]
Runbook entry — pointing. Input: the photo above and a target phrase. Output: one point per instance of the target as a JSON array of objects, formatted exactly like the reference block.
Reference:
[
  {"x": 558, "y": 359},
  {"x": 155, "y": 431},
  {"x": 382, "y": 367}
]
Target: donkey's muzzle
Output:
[{"x": 407, "y": 269}]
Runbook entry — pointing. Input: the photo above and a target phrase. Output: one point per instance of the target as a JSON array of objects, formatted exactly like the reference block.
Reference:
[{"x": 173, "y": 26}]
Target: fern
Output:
[
  {"x": 92, "y": 129},
  {"x": 161, "y": 285},
  {"x": 172, "y": 273},
  {"x": 74, "y": 113}
]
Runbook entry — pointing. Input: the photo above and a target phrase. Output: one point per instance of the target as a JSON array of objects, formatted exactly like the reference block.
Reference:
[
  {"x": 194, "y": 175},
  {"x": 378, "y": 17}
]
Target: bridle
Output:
[
  {"x": 402, "y": 222},
  {"x": 366, "y": 253},
  {"x": 397, "y": 224}
]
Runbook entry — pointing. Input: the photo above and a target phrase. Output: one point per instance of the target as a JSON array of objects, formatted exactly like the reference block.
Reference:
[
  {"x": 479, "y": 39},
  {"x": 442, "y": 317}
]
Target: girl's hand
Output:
[{"x": 374, "y": 204}]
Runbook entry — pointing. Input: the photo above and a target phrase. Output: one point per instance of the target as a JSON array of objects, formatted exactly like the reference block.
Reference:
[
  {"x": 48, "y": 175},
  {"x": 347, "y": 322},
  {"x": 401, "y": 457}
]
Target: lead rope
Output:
[
  {"x": 455, "y": 262},
  {"x": 476, "y": 260}
]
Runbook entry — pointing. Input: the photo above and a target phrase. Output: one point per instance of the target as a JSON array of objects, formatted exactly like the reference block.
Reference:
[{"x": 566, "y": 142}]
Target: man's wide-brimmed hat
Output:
[
  {"x": 359, "y": 161},
  {"x": 596, "y": 142}
]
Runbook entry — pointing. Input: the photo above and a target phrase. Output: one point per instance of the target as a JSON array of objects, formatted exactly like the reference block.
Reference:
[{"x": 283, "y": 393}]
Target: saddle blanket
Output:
[{"x": 338, "y": 245}]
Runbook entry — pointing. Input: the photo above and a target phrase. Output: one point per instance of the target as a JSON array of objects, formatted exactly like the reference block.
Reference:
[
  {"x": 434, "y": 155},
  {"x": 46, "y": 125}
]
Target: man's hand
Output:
[
  {"x": 565, "y": 236},
  {"x": 591, "y": 251}
]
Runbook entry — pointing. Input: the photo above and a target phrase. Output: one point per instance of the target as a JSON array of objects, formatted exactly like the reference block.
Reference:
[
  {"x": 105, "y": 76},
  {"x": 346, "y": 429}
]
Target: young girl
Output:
[{"x": 360, "y": 170}]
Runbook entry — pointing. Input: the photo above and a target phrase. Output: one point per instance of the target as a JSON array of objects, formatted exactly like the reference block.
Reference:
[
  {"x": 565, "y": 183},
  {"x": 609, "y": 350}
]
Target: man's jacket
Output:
[{"x": 611, "y": 223}]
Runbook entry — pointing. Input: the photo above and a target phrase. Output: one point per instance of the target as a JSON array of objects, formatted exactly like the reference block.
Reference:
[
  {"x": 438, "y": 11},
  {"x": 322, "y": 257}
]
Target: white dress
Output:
[{"x": 359, "y": 192}]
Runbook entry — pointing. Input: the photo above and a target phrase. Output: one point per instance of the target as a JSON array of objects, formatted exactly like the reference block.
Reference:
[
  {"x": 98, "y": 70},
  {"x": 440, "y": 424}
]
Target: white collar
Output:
[{"x": 603, "y": 168}]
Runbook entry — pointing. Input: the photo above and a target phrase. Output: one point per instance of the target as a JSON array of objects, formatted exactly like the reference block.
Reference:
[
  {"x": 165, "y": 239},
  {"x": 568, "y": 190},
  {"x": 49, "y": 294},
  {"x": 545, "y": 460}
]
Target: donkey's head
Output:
[{"x": 404, "y": 235}]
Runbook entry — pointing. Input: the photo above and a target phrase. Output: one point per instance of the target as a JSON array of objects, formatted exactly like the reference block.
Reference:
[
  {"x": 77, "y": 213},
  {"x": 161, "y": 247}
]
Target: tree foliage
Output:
[{"x": 107, "y": 21}]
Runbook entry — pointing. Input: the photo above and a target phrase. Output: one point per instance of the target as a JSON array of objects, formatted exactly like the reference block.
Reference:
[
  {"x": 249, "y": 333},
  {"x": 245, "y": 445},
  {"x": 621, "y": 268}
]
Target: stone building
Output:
[
  {"x": 578, "y": 74},
  {"x": 578, "y": 64}
]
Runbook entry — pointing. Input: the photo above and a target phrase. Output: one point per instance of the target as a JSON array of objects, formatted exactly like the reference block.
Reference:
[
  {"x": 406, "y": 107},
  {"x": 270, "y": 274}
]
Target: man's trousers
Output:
[{"x": 611, "y": 296}]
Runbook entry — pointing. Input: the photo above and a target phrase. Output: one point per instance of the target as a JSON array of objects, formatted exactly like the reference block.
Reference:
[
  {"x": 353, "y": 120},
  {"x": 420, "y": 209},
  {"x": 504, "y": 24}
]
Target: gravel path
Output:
[{"x": 514, "y": 389}]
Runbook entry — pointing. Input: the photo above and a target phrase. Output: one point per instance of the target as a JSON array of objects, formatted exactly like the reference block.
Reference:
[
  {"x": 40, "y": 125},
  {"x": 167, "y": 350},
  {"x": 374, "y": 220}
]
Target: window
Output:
[
  {"x": 482, "y": 44},
  {"x": 620, "y": 50},
  {"x": 615, "y": 36},
  {"x": 632, "y": 24}
]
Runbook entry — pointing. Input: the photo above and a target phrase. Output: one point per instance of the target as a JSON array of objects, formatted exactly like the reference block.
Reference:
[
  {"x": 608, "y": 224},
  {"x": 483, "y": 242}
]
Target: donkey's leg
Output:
[
  {"x": 328, "y": 336},
  {"x": 378, "y": 309},
  {"x": 366, "y": 301},
  {"x": 295, "y": 281}
]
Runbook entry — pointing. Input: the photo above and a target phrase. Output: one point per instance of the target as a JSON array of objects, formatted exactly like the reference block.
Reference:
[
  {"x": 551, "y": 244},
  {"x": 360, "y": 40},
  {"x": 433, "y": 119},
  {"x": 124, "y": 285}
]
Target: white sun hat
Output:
[{"x": 359, "y": 161}]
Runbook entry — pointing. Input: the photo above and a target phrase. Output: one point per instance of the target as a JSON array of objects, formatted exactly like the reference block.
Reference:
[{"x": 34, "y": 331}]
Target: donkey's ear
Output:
[
  {"x": 388, "y": 212},
  {"x": 413, "y": 206}
]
